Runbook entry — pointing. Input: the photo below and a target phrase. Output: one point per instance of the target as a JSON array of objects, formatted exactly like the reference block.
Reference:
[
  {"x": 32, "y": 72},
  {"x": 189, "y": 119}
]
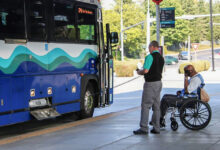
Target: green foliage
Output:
[
  {"x": 201, "y": 65},
  {"x": 135, "y": 38}
]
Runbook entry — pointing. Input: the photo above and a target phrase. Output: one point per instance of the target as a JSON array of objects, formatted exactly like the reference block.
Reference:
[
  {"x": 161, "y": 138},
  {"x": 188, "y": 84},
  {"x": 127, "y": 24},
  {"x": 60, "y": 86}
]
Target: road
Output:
[{"x": 201, "y": 55}]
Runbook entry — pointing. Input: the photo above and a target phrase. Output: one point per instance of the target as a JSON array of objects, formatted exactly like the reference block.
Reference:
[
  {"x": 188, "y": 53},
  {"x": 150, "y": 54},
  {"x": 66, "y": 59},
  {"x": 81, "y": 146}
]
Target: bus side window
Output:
[
  {"x": 37, "y": 20},
  {"x": 64, "y": 22},
  {"x": 12, "y": 19}
]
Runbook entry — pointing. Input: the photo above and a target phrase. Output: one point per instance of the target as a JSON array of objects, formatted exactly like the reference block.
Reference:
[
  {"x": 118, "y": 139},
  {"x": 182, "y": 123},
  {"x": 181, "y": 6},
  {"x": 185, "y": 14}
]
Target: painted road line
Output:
[{"x": 65, "y": 126}]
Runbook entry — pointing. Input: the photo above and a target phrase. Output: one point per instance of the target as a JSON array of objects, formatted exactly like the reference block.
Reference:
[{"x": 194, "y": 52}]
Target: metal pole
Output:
[
  {"x": 122, "y": 35},
  {"x": 158, "y": 22},
  {"x": 189, "y": 54},
  {"x": 148, "y": 26},
  {"x": 163, "y": 53},
  {"x": 211, "y": 26}
]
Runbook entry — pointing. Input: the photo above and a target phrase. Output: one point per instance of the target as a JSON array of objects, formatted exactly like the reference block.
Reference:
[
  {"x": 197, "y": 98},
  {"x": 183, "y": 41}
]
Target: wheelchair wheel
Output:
[
  {"x": 195, "y": 114},
  {"x": 174, "y": 125}
]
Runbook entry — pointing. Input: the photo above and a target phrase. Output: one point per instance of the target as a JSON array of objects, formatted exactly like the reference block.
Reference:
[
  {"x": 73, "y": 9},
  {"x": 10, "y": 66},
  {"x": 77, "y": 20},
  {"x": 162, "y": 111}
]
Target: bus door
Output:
[
  {"x": 106, "y": 62},
  {"x": 109, "y": 68},
  {"x": 102, "y": 61}
]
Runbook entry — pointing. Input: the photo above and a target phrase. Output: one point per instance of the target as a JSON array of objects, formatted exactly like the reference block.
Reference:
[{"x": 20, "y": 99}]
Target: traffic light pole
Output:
[{"x": 158, "y": 22}]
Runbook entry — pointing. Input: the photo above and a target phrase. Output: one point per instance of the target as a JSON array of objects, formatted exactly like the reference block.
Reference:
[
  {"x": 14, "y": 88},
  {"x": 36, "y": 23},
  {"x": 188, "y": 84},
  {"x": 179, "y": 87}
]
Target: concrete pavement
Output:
[{"x": 115, "y": 131}]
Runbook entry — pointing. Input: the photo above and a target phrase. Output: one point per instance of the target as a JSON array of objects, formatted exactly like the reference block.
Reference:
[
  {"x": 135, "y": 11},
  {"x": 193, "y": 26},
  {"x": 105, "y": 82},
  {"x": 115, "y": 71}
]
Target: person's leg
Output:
[
  {"x": 156, "y": 106},
  {"x": 167, "y": 101},
  {"x": 147, "y": 102}
]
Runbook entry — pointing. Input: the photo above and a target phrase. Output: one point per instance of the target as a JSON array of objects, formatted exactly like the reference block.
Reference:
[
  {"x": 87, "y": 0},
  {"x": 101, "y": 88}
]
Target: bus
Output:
[{"x": 53, "y": 59}]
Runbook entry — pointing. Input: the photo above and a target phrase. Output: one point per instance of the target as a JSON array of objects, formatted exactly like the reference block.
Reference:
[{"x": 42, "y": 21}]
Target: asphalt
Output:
[{"x": 111, "y": 128}]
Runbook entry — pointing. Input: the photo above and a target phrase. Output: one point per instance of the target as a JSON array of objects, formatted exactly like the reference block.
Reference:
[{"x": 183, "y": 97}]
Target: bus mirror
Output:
[{"x": 114, "y": 37}]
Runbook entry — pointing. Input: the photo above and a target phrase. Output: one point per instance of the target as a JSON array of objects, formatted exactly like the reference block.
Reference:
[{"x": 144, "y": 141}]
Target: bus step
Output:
[{"x": 42, "y": 114}]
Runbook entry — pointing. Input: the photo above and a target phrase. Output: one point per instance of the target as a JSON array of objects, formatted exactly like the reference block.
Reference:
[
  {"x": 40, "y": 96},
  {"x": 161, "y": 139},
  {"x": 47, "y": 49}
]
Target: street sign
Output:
[
  {"x": 167, "y": 17},
  {"x": 157, "y": 1},
  {"x": 195, "y": 46}
]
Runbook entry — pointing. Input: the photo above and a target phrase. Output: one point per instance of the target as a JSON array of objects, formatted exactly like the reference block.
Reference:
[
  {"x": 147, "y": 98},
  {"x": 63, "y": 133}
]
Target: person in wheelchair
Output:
[{"x": 192, "y": 82}]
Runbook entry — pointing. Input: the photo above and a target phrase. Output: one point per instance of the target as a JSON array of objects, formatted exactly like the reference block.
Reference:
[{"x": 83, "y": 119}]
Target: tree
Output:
[{"x": 132, "y": 14}]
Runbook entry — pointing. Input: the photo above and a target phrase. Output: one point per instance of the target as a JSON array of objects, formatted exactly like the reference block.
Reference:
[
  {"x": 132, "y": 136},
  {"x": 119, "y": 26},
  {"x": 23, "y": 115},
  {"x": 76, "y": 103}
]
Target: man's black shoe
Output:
[
  {"x": 154, "y": 131},
  {"x": 151, "y": 123},
  {"x": 139, "y": 131}
]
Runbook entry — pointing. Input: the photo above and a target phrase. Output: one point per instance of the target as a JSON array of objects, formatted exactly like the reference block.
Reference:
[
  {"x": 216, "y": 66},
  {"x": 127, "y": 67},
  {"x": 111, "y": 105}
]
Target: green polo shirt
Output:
[{"x": 149, "y": 60}]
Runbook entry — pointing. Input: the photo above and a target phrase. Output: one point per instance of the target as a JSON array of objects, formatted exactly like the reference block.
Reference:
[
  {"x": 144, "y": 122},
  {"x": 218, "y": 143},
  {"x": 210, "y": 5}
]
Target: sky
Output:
[{"x": 107, "y": 4}]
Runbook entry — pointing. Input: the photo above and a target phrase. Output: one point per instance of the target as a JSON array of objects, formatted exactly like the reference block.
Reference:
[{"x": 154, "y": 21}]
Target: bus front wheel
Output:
[{"x": 87, "y": 102}]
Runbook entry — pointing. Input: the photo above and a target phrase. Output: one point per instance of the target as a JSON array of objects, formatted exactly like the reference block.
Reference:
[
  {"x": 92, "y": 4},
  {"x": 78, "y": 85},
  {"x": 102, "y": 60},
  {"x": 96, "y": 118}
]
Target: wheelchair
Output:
[{"x": 194, "y": 113}]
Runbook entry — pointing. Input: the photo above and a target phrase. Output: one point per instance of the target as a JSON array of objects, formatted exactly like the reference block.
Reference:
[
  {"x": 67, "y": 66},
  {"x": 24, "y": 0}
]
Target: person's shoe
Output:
[
  {"x": 154, "y": 131},
  {"x": 151, "y": 123},
  {"x": 162, "y": 123},
  {"x": 139, "y": 131}
]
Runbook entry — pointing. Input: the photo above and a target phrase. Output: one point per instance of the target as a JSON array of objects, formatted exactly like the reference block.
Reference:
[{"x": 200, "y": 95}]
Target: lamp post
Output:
[
  {"x": 211, "y": 26},
  {"x": 148, "y": 26},
  {"x": 122, "y": 38},
  {"x": 158, "y": 22}
]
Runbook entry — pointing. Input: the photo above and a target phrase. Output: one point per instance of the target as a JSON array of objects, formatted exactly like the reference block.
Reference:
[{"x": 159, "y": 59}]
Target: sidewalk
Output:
[
  {"x": 113, "y": 126},
  {"x": 171, "y": 79}
]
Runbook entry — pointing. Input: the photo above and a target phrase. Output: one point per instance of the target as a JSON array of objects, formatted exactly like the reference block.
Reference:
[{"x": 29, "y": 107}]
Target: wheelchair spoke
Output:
[
  {"x": 203, "y": 109},
  {"x": 198, "y": 121},
  {"x": 203, "y": 112},
  {"x": 194, "y": 121},
  {"x": 190, "y": 110},
  {"x": 190, "y": 119},
  {"x": 201, "y": 120},
  {"x": 203, "y": 117},
  {"x": 199, "y": 106}
]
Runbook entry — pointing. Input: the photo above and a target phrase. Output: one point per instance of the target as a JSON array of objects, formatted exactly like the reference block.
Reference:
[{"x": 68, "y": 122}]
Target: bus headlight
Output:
[
  {"x": 73, "y": 89},
  {"x": 49, "y": 91},
  {"x": 32, "y": 92}
]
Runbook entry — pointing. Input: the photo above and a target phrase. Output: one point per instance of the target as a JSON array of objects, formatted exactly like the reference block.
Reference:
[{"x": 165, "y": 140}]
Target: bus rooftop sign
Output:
[{"x": 157, "y": 1}]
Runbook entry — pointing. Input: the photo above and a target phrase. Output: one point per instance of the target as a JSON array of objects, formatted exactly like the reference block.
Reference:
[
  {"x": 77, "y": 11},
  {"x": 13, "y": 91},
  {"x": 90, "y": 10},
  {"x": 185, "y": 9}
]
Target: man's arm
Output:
[
  {"x": 147, "y": 64},
  {"x": 186, "y": 83},
  {"x": 194, "y": 84}
]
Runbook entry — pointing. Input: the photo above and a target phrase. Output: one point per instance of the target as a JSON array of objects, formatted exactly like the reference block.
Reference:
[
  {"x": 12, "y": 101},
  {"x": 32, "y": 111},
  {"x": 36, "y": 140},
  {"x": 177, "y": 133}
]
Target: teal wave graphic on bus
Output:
[{"x": 49, "y": 62}]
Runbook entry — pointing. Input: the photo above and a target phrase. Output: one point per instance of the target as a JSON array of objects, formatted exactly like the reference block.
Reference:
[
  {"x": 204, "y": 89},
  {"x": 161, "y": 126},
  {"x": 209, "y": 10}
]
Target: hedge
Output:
[
  {"x": 126, "y": 68},
  {"x": 200, "y": 65}
]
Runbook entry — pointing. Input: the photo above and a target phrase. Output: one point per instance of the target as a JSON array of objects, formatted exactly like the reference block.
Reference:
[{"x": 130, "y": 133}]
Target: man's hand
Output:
[{"x": 142, "y": 72}]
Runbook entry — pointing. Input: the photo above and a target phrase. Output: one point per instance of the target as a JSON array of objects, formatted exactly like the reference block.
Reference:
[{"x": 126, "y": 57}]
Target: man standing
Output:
[{"x": 152, "y": 71}]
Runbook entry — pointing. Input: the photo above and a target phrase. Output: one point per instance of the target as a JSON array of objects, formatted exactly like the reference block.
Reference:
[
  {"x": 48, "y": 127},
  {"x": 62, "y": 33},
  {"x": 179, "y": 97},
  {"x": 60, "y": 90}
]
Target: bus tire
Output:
[{"x": 87, "y": 102}]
